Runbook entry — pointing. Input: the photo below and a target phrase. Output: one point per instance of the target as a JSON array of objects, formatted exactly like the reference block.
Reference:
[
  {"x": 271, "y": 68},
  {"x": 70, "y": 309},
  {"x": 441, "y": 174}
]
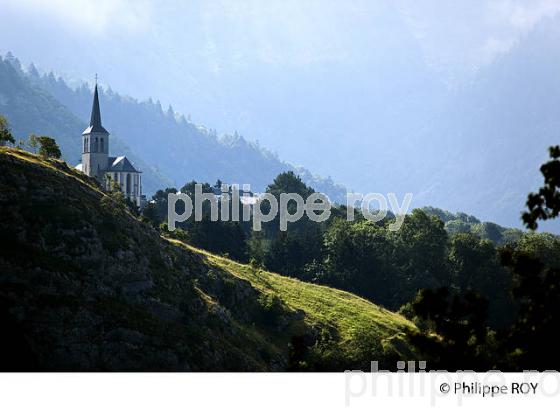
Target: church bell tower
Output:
[{"x": 95, "y": 143}]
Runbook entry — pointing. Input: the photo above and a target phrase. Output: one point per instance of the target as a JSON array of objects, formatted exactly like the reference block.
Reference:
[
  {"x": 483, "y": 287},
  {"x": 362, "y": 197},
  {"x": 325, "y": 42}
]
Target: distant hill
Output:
[
  {"x": 176, "y": 150},
  {"x": 86, "y": 286}
]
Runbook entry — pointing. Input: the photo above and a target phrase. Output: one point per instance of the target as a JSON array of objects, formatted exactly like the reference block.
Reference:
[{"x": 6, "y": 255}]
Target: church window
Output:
[{"x": 128, "y": 184}]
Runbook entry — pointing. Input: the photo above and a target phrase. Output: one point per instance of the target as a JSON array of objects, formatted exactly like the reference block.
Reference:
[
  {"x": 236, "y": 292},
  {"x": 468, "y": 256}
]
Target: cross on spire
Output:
[{"x": 95, "y": 78}]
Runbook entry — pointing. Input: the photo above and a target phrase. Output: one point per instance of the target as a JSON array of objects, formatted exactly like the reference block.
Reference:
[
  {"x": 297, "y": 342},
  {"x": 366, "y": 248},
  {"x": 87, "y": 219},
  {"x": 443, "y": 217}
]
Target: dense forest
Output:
[{"x": 449, "y": 273}]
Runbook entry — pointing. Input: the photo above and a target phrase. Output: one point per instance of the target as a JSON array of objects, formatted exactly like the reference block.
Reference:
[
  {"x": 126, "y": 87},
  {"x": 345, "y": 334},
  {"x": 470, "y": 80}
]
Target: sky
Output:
[{"x": 206, "y": 37}]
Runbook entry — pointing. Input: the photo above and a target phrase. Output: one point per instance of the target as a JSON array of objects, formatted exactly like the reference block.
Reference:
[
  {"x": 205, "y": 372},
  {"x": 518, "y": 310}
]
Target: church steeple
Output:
[
  {"x": 95, "y": 119},
  {"x": 95, "y": 143},
  {"x": 97, "y": 163}
]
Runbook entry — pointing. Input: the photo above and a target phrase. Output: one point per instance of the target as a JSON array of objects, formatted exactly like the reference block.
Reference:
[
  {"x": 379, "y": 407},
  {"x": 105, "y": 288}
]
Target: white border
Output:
[{"x": 97, "y": 391}]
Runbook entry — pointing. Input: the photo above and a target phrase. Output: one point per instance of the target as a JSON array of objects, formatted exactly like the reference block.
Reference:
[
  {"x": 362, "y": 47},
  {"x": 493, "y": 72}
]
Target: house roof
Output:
[
  {"x": 120, "y": 164},
  {"x": 95, "y": 120}
]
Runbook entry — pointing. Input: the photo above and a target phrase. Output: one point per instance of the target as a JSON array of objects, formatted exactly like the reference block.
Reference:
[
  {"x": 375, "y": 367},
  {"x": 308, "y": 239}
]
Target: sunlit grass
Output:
[{"x": 332, "y": 308}]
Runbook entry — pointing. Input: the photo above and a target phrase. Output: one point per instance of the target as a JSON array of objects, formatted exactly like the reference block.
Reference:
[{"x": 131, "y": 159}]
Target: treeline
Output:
[
  {"x": 363, "y": 257},
  {"x": 482, "y": 296}
]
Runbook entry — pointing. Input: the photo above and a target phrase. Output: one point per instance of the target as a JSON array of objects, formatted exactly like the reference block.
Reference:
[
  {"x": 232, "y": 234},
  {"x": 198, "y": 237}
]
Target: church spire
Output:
[{"x": 95, "y": 120}]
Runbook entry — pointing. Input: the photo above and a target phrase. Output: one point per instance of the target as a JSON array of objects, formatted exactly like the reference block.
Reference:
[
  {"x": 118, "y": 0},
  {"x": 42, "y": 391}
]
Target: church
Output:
[{"x": 97, "y": 163}]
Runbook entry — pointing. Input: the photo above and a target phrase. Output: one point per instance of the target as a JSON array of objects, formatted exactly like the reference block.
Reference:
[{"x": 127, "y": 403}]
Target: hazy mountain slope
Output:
[
  {"x": 178, "y": 148},
  {"x": 494, "y": 134},
  {"x": 31, "y": 109},
  {"x": 86, "y": 286}
]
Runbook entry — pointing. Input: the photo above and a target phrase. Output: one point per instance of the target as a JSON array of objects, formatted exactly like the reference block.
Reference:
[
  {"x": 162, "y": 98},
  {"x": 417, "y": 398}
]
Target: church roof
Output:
[
  {"x": 120, "y": 164},
  {"x": 95, "y": 120}
]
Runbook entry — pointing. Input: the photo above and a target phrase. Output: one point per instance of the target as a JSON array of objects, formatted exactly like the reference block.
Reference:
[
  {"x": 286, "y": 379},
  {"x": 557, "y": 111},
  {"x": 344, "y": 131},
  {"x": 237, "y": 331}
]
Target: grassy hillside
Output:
[{"x": 85, "y": 285}]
